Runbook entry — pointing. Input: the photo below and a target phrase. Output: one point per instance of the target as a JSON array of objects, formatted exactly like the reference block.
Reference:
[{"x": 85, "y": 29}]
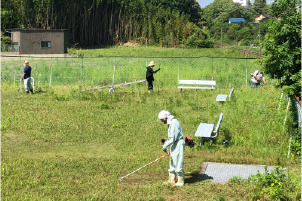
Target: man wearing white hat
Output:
[
  {"x": 149, "y": 75},
  {"x": 177, "y": 147}
]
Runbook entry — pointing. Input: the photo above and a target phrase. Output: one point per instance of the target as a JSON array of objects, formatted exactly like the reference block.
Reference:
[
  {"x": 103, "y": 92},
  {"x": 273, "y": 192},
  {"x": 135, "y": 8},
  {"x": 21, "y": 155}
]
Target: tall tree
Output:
[
  {"x": 283, "y": 45},
  {"x": 260, "y": 7}
]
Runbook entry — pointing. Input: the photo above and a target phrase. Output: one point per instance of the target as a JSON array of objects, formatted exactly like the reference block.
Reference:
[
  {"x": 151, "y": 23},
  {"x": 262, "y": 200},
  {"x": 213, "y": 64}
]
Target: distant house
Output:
[
  {"x": 262, "y": 17},
  {"x": 244, "y": 2},
  {"x": 236, "y": 20},
  {"x": 33, "y": 41}
]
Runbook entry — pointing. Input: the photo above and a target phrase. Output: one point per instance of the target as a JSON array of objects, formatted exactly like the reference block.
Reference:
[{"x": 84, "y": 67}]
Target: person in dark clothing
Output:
[
  {"x": 27, "y": 77},
  {"x": 149, "y": 75}
]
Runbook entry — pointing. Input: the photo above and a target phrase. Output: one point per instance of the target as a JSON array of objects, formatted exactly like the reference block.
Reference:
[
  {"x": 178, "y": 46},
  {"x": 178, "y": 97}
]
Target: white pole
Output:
[
  {"x": 20, "y": 86},
  {"x": 50, "y": 71},
  {"x": 286, "y": 113},
  {"x": 280, "y": 101},
  {"x": 113, "y": 80},
  {"x": 290, "y": 139},
  {"x": 33, "y": 83}
]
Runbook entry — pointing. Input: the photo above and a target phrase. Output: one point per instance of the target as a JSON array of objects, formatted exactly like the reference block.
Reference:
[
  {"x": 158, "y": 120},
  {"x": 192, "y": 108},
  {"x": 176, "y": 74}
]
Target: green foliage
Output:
[
  {"x": 275, "y": 184},
  {"x": 296, "y": 146},
  {"x": 5, "y": 40},
  {"x": 283, "y": 46},
  {"x": 236, "y": 180},
  {"x": 11, "y": 12},
  {"x": 217, "y": 14},
  {"x": 260, "y": 7},
  {"x": 99, "y": 23},
  {"x": 238, "y": 33},
  {"x": 195, "y": 42},
  {"x": 220, "y": 198}
]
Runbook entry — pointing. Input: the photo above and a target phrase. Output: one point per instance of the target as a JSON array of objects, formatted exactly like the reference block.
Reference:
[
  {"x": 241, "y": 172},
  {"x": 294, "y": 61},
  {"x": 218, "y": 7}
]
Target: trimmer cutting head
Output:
[{"x": 121, "y": 179}]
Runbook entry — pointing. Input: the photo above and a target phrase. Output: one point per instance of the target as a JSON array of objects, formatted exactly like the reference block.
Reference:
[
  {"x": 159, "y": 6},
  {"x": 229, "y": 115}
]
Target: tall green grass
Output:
[
  {"x": 64, "y": 144},
  {"x": 150, "y": 51}
]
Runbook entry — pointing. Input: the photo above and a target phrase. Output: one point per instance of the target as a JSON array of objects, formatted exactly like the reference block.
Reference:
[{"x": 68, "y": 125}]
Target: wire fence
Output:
[
  {"x": 103, "y": 71},
  {"x": 10, "y": 48}
]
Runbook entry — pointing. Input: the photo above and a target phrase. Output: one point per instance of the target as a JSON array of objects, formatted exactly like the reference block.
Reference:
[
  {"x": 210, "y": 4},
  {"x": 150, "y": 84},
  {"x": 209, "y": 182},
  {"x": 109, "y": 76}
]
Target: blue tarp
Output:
[{"x": 232, "y": 20}]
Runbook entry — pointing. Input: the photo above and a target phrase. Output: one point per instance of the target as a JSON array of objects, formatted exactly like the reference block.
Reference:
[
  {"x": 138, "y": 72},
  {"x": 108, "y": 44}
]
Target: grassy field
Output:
[
  {"x": 100, "y": 71},
  {"x": 150, "y": 51},
  {"x": 64, "y": 144}
]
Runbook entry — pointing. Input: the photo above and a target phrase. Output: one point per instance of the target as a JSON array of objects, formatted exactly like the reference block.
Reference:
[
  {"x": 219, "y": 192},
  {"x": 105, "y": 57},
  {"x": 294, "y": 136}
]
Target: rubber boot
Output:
[
  {"x": 32, "y": 91},
  {"x": 171, "y": 179},
  {"x": 181, "y": 180}
]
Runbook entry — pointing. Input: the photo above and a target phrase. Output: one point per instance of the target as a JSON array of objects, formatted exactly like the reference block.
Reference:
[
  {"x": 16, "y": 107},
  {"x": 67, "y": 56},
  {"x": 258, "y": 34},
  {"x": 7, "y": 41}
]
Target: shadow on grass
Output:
[{"x": 195, "y": 177}]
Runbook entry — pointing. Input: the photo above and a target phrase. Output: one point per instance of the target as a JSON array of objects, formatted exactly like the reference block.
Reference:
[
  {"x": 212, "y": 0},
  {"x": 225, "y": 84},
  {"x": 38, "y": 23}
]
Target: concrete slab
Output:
[{"x": 221, "y": 173}]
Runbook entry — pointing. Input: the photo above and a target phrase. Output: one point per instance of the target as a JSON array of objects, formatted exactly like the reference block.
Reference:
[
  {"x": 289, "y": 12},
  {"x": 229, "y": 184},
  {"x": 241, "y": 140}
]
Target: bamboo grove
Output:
[{"x": 109, "y": 22}]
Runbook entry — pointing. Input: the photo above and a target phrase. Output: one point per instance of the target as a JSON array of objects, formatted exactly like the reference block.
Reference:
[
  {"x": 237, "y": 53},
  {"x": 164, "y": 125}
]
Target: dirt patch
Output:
[
  {"x": 130, "y": 44},
  {"x": 143, "y": 179},
  {"x": 13, "y": 138},
  {"x": 149, "y": 178}
]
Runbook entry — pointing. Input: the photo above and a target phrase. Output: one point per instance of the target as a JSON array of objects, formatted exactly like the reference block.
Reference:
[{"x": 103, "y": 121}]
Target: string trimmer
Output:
[{"x": 123, "y": 178}]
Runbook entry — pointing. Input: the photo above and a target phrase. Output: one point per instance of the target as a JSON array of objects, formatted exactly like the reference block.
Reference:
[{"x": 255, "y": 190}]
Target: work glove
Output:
[
  {"x": 158, "y": 69},
  {"x": 164, "y": 148}
]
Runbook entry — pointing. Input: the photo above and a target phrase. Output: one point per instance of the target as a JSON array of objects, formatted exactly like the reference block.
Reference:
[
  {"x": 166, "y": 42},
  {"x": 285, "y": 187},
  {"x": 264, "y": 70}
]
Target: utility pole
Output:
[
  {"x": 259, "y": 42},
  {"x": 221, "y": 37}
]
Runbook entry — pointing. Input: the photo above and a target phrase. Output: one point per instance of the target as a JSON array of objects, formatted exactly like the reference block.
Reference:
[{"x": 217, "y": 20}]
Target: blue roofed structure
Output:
[{"x": 236, "y": 20}]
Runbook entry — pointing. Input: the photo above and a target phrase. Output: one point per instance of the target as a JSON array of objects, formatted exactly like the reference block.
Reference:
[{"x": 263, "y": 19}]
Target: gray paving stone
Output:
[{"x": 221, "y": 173}]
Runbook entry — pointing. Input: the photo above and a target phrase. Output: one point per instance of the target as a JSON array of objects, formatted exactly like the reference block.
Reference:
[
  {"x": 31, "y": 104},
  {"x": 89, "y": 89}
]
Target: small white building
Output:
[{"x": 244, "y": 2}]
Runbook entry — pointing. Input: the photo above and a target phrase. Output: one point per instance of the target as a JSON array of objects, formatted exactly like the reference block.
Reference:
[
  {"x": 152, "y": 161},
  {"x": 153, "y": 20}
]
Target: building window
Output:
[{"x": 45, "y": 44}]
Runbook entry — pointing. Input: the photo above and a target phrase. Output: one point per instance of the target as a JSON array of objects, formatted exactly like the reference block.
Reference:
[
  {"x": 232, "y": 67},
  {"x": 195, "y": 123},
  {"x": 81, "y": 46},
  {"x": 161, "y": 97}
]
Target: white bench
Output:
[
  {"x": 196, "y": 84},
  {"x": 222, "y": 98},
  {"x": 205, "y": 130}
]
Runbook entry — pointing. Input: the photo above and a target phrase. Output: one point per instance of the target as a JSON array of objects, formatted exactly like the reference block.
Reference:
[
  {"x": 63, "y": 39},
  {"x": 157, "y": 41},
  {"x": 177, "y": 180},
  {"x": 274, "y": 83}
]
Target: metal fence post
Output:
[
  {"x": 113, "y": 80},
  {"x": 246, "y": 73},
  {"x": 178, "y": 70},
  {"x": 212, "y": 69},
  {"x": 146, "y": 66},
  {"x": 82, "y": 69},
  {"x": 20, "y": 65},
  {"x": 50, "y": 71}
]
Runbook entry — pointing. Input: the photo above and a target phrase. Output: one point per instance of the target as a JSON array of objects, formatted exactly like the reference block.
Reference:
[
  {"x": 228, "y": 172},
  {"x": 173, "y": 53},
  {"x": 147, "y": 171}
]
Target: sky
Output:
[{"x": 204, "y": 3}]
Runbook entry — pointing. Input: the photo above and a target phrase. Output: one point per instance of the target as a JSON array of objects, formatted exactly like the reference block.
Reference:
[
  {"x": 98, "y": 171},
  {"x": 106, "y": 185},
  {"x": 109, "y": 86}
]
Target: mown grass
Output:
[
  {"x": 150, "y": 51},
  {"x": 64, "y": 144}
]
